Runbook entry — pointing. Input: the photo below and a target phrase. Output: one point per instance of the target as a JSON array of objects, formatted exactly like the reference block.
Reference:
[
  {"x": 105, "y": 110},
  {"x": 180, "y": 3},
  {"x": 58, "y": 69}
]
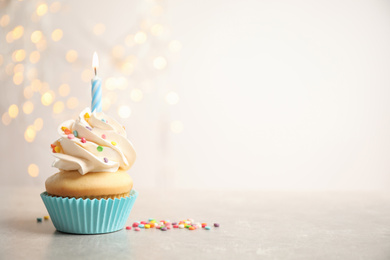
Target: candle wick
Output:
[{"x": 95, "y": 70}]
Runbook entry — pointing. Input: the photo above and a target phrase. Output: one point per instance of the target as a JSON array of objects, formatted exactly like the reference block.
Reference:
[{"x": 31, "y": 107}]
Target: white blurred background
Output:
[{"x": 270, "y": 95}]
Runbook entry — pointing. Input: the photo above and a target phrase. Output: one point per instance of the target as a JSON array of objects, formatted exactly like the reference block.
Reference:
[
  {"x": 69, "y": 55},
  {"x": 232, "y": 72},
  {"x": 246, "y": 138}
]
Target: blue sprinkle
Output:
[
  {"x": 207, "y": 227},
  {"x": 141, "y": 225},
  {"x": 39, "y": 219},
  {"x": 104, "y": 120},
  {"x": 75, "y": 133},
  {"x": 150, "y": 219}
]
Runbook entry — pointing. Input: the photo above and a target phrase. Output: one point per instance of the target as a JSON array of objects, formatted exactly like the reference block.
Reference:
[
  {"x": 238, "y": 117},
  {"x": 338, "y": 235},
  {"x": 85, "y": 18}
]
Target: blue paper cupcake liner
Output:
[{"x": 86, "y": 216}]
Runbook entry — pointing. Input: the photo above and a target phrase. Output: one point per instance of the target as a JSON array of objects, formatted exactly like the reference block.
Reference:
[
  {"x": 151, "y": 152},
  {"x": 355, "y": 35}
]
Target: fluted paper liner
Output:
[{"x": 86, "y": 216}]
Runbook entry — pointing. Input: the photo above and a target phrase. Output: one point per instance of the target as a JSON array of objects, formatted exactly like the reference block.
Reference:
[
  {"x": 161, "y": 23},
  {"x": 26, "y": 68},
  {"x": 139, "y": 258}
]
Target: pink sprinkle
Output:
[
  {"x": 168, "y": 227},
  {"x": 137, "y": 229},
  {"x": 70, "y": 136},
  {"x": 103, "y": 136},
  {"x": 128, "y": 227},
  {"x": 83, "y": 140},
  {"x": 175, "y": 226},
  {"x": 143, "y": 222},
  {"x": 135, "y": 224}
]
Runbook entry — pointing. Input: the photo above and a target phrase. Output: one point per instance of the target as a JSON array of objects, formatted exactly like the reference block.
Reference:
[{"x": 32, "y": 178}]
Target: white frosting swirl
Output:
[{"x": 105, "y": 148}]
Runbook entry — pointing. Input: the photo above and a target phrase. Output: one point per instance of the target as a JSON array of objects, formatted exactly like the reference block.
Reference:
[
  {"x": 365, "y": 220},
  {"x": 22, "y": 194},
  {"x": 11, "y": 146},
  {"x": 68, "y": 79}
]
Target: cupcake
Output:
[{"x": 92, "y": 193}]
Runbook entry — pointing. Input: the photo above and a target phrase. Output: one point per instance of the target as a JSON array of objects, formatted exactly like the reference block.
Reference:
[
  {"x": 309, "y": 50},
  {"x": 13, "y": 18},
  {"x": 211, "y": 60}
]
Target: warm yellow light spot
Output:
[
  {"x": 129, "y": 40},
  {"x": 71, "y": 56},
  {"x": 175, "y": 46},
  {"x": 9, "y": 38},
  {"x": 9, "y": 69},
  {"x": 41, "y": 45},
  {"x": 177, "y": 127},
  {"x": 19, "y": 68},
  {"x": 17, "y": 32},
  {"x": 38, "y": 124},
  {"x": 157, "y": 29},
  {"x": 118, "y": 51},
  {"x": 72, "y": 102},
  {"x": 136, "y": 95},
  {"x": 28, "y": 107},
  {"x": 13, "y": 111},
  {"x": 18, "y": 78},
  {"x": 4, "y": 21},
  {"x": 28, "y": 92},
  {"x": 42, "y": 9},
  {"x": 47, "y": 98},
  {"x": 55, "y": 7},
  {"x": 36, "y": 36},
  {"x": 33, "y": 170},
  {"x": 6, "y": 119},
  {"x": 56, "y": 35},
  {"x": 160, "y": 63},
  {"x": 140, "y": 37},
  {"x": 18, "y": 55},
  {"x": 58, "y": 107},
  {"x": 1, "y": 59},
  {"x": 127, "y": 67},
  {"x": 64, "y": 90},
  {"x": 172, "y": 98},
  {"x": 87, "y": 75},
  {"x": 32, "y": 73},
  {"x": 30, "y": 134},
  {"x": 124, "y": 111},
  {"x": 36, "y": 85},
  {"x": 99, "y": 29},
  {"x": 34, "y": 57}
]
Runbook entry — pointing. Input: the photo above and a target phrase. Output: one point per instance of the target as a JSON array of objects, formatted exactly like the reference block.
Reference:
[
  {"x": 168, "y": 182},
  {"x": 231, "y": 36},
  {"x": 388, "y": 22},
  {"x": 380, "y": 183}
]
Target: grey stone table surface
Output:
[{"x": 254, "y": 225}]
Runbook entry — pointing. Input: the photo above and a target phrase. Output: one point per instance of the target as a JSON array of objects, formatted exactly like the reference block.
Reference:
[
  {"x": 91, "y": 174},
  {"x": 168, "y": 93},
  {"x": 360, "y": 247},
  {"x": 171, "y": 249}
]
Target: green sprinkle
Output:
[{"x": 100, "y": 149}]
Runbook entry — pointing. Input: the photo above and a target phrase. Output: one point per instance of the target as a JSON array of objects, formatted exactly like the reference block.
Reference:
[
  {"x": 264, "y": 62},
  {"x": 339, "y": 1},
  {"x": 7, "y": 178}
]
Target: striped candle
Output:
[{"x": 96, "y": 87}]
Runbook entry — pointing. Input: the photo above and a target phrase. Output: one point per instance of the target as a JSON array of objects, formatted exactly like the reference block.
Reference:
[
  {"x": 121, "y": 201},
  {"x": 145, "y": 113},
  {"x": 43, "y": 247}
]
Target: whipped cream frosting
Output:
[{"x": 94, "y": 142}]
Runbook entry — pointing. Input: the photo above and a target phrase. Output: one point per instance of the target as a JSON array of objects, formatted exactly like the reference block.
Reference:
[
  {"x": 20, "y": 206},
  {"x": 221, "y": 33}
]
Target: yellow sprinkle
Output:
[
  {"x": 113, "y": 143},
  {"x": 86, "y": 115},
  {"x": 147, "y": 226},
  {"x": 46, "y": 217},
  {"x": 153, "y": 221},
  {"x": 63, "y": 128},
  {"x": 124, "y": 127},
  {"x": 57, "y": 149}
]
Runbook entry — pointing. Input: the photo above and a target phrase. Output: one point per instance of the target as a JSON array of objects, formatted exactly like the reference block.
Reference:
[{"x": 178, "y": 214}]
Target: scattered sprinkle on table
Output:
[
  {"x": 128, "y": 227},
  {"x": 39, "y": 220},
  {"x": 165, "y": 225},
  {"x": 46, "y": 217}
]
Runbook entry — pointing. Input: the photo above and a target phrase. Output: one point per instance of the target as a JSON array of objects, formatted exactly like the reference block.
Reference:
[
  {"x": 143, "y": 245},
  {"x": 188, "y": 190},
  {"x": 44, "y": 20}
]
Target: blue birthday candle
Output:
[{"x": 96, "y": 87}]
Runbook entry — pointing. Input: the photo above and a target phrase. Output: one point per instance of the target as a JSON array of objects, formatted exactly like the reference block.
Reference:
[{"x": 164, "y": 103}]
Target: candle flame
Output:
[{"x": 95, "y": 61}]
